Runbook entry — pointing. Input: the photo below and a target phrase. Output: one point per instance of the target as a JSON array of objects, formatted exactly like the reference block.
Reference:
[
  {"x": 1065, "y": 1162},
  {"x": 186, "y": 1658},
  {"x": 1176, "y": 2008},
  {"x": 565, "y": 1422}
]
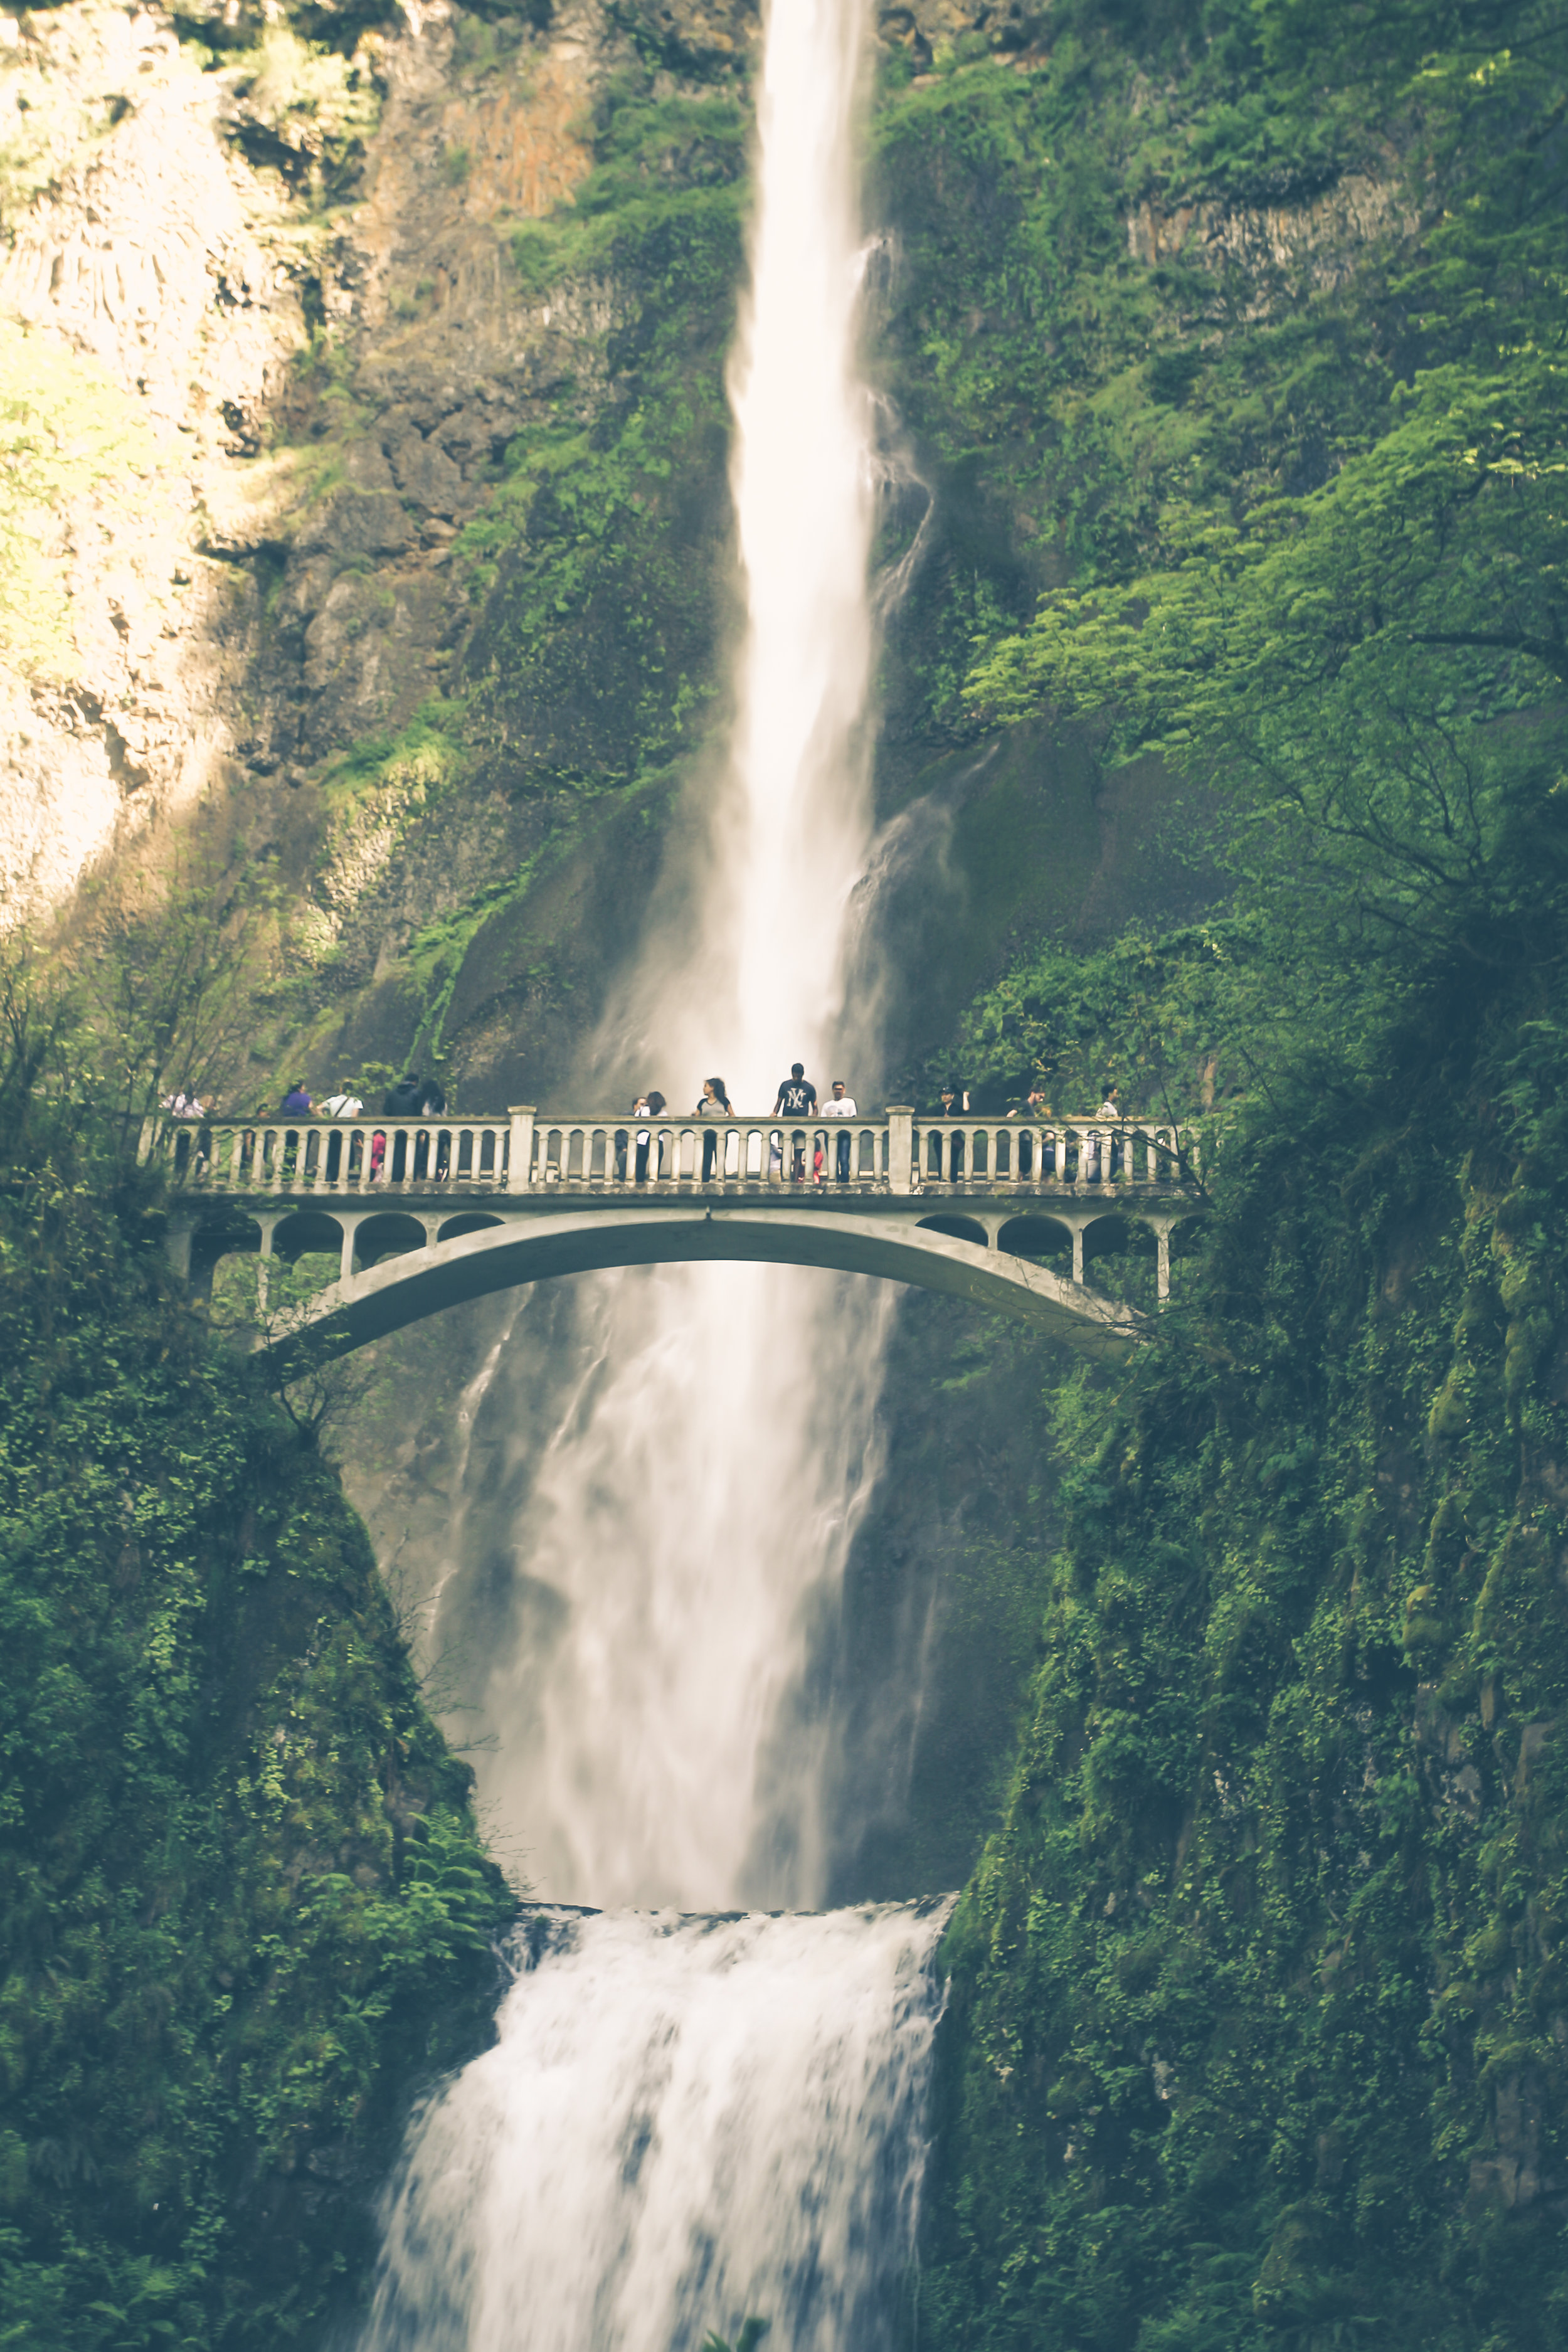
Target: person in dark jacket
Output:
[{"x": 401, "y": 1101}]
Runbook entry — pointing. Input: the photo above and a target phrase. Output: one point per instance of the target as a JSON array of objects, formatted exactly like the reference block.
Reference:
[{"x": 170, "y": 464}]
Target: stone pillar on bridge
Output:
[
  {"x": 900, "y": 1146},
  {"x": 1078, "y": 1252},
  {"x": 520, "y": 1150}
]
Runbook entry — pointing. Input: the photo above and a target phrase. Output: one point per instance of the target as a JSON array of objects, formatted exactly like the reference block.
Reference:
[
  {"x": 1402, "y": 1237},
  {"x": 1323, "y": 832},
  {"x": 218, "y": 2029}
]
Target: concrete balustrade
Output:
[
  {"x": 333, "y": 1156},
  {"x": 899, "y": 1154}
]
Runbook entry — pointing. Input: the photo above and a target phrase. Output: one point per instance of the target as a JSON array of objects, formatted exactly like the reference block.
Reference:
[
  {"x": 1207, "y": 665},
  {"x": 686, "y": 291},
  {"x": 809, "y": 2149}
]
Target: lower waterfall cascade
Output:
[{"x": 686, "y": 2122}]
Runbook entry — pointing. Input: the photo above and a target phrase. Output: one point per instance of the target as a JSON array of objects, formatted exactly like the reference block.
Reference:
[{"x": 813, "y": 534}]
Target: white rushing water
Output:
[
  {"x": 687, "y": 2121},
  {"x": 691, "y": 1514}
]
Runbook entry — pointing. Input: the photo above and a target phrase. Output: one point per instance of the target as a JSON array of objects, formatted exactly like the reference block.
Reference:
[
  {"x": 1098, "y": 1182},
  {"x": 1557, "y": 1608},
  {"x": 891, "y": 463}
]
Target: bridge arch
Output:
[
  {"x": 1109, "y": 1236},
  {"x": 390, "y": 1234},
  {"x": 307, "y": 1233},
  {"x": 1035, "y": 1235},
  {"x": 233, "y": 1233},
  {"x": 957, "y": 1229},
  {"x": 528, "y": 1247},
  {"x": 468, "y": 1221}
]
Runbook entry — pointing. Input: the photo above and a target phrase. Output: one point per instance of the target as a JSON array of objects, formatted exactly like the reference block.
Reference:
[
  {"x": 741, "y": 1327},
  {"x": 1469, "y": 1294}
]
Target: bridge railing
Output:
[
  {"x": 968, "y": 1154},
  {"x": 332, "y": 1156},
  {"x": 667, "y": 1157}
]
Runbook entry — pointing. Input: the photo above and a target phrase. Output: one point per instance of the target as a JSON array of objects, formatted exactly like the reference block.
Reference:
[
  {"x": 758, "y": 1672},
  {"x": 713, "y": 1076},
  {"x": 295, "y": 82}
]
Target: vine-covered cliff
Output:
[
  {"x": 1245, "y": 334},
  {"x": 244, "y": 1909}
]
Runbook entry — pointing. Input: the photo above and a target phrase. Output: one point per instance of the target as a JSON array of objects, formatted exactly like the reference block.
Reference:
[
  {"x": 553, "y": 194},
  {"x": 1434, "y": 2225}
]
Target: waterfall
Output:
[
  {"x": 685, "y": 2123},
  {"x": 689, "y": 1519},
  {"x": 686, "y": 2120}
]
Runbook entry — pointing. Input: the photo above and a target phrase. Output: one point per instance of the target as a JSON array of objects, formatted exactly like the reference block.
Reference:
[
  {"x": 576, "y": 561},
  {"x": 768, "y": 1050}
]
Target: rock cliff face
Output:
[{"x": 322, "y": 389}]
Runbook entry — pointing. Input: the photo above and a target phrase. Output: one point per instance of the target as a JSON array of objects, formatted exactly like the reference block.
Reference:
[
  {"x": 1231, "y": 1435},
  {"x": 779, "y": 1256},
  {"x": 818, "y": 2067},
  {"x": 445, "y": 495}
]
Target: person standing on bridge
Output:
[
  {"x": 648, "y": 1106},
  {"x": 797, "y": 1098},
  {"x": 342, "y": 1105},
  {"x": 715, "y": 1104},
  {"x": 954, "y": 1102},
  {"x": 840, "y": 1105},
  {"x": 1111, "y": 1109},
  {"x": 403, "y": 1099},
  {"x": 433, "y": 1104}
]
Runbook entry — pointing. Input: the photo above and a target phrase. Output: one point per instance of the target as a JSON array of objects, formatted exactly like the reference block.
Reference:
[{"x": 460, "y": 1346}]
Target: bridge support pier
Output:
[{"x": 1078, "y": 1252}]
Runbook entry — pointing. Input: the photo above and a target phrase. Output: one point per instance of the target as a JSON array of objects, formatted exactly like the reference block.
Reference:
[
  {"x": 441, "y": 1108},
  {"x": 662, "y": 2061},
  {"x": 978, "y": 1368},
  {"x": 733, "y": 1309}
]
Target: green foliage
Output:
[
  {"x": 1258, "y": 1993},
  {"x": 243, "y": 1904},
  {"x": 1146, "y": 408},
  {"x": 594, "y": 652},
  {"x": 1257, "y": 2022},
  {"x": 1373, "y": 665},
  {"x": 1151, "y": 1014},
  {"x": 312, "y": 98}
]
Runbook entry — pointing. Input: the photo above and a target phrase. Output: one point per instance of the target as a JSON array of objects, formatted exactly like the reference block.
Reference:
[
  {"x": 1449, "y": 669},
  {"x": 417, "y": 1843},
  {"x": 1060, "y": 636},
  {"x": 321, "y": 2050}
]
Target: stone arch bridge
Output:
[{"x": 422, "y": 1213}]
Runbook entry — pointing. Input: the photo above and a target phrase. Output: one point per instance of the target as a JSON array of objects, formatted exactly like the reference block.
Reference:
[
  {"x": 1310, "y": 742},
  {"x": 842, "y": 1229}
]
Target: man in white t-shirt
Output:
[{"x": 840, "y": 1105}]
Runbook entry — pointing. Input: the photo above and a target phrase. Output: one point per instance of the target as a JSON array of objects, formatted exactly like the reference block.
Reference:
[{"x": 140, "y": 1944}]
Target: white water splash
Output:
[{"x": 685, "y": 2123}]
